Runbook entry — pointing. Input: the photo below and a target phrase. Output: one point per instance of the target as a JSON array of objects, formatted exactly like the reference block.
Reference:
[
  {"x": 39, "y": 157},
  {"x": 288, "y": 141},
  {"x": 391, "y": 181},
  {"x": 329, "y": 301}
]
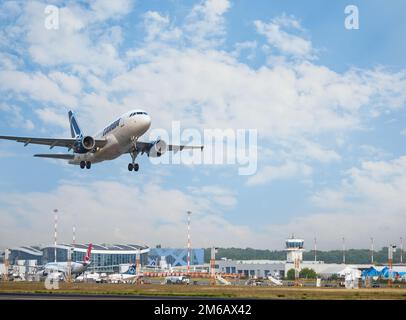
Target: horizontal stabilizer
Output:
[{"x": 56, "y": 156}]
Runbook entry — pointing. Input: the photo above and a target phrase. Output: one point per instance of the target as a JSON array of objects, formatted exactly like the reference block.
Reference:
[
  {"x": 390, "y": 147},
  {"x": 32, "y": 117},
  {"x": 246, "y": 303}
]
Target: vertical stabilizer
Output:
[
  {"x": 74, "y": 127},
  {"x": 88, "y": 253}
]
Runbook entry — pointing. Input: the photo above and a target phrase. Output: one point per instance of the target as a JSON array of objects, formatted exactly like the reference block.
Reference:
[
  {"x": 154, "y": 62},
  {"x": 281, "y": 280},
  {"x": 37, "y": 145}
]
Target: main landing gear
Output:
[
  {"x": 85, "y": 164},
  {"x": 134, "y": 167}
]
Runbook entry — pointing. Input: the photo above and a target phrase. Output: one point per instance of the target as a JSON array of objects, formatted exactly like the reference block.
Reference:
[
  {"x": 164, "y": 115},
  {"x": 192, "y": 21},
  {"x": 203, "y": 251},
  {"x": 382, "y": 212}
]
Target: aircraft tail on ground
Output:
[
  {"x": 131, "y": 270},
  {"x": 88, "y": 253}
]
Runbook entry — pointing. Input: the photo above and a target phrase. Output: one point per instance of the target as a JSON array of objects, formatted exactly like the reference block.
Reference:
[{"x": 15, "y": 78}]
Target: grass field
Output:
[{"x": 207, "y": 291}]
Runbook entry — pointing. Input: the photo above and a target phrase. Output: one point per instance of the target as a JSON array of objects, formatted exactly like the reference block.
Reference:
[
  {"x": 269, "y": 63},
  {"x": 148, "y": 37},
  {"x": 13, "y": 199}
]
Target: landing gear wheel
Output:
[
  {"x": 82, "y": 164},
  {"x": 136, "y": 166},
  {"x": 88, "y": 165},
  {"x": 130, "y": 167}
]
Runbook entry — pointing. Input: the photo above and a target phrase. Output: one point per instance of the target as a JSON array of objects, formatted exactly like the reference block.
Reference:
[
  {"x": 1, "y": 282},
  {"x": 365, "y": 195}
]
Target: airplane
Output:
[
  {"x": 62, "y": 267},
  {"x": 118, "y": 138},
  {"x": 93, "y": 276},
  {"x": 129, "y": 275}
]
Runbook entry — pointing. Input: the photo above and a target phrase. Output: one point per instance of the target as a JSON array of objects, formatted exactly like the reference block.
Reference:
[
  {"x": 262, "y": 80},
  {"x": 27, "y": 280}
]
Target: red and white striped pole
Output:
[
  {"x": 188, "y": 241},
  {"x": 55, "y": 231}
]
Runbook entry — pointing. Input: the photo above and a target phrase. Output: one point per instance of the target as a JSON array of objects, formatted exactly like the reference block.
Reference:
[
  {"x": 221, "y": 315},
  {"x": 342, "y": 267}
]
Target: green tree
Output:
[
  {"x": 291, "y": 274},
  {"x": 307, "y": 273}
]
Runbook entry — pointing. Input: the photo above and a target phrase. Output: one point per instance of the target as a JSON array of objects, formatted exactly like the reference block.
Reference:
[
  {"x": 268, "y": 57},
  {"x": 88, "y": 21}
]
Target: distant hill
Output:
[{"x": 354, "y": 256}]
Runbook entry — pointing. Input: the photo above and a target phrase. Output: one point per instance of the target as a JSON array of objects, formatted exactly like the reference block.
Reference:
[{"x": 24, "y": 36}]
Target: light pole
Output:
[
  {"x": 213, "y": 252},
  {"x": 188, "y": 241},
  {"x": 343, "y": 250},
  {"x": 372, "y": 250},
  {"x": 391, "y": 249},
  {"x": 315, "y": 249},
  {"x": 55, "y": 231}
]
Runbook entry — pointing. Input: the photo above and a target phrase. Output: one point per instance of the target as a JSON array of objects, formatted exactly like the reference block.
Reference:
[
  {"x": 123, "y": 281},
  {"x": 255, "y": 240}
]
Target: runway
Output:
[{"x": 56, "y": 296}]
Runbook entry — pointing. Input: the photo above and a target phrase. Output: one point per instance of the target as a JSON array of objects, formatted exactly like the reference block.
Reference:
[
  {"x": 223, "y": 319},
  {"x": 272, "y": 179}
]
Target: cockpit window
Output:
[{"x": 138, "y": 112}]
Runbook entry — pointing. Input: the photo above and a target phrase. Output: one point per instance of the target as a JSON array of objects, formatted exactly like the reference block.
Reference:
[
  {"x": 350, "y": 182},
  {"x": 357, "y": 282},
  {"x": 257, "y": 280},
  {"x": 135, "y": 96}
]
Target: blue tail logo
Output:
[
  {"x": 74, "y": 127},
  {"x": 131, "y": 270}
]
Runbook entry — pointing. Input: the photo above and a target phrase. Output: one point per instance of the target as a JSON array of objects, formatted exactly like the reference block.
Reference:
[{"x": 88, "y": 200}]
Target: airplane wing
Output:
[
  {"x": 175, "y": 148},
  {"x": 51, "y": 142},
  {"x": 145, "y": 146}
]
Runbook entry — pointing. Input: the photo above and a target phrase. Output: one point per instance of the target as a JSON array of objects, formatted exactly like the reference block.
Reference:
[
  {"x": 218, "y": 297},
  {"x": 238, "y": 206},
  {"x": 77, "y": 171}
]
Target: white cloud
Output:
[
  {"x": 298, "y": 99},
  {"x": 181, "y": 72},
  {"x": 36, "y": 85},
  {"x": 15, "y": 117},
  {"x": 107, "y": 9},
  {"x": 374, "y": 153},
  {"x": 205, "y": 23},
  {"x": 69, "y": 83},
  {"x": 158, "y": 27},
  {"x": 78, "y": 40},
  {"x": 287, "y": 170},
  {"x": 285, "y": 42},
  {"x": 247, "y": 46},
  {"x": 314, "y": 151},
  {"x": 50, "y": 117},
  {"x": 369, "y": 202},
  {"x": 222, "y": 196},
  {"x": 147, "y": 214},
  {"x": 9, "y": 62}
]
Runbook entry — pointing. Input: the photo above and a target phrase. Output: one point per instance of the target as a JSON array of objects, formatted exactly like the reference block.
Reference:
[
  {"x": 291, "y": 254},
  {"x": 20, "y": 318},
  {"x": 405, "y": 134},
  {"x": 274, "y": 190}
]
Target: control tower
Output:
[{"x": 294, "y": 248}]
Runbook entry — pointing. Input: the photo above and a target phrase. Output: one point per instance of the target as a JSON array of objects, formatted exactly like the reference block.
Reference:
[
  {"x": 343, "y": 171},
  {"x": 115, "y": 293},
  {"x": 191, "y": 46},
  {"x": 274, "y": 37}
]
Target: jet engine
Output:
[
  {"x": 84, "y": 144},
  {"x": 157, "y": 149},
  {"x": 88, "y": 143}
]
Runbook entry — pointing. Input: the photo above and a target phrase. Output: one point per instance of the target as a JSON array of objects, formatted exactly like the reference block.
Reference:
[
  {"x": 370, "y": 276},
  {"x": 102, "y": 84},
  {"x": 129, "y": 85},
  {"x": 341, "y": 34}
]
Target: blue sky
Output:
[{"x": 328, "y": 104}]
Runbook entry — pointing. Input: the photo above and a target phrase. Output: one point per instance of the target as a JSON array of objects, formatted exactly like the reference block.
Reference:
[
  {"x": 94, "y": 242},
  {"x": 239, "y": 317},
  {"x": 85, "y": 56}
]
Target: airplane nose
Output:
[{"x": 145, "y": 122}]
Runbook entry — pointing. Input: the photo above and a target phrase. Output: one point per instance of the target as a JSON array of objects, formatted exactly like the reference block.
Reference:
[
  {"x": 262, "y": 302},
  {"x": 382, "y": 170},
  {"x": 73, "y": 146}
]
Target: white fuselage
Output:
[
  {"x": 121, "y": 277},
  {"x": 120, "y": 135},
  {"x": 76, "y": 267}
]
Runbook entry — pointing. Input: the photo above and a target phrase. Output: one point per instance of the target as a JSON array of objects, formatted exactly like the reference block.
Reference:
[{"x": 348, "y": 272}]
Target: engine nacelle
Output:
[
  {"x": 88, "y": 143},
  {"x": 84, "y": 144},
  {"x": 158, "y": 148}
]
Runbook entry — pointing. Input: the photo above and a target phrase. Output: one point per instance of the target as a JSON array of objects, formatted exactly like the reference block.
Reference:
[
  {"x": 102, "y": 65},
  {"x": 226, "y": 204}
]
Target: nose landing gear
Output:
[{"x": 133, "y": 166}]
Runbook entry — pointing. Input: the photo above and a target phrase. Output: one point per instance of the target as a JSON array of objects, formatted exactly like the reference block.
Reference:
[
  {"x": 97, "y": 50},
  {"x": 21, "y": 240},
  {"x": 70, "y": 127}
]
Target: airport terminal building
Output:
[{"x": 104, "y": 258}]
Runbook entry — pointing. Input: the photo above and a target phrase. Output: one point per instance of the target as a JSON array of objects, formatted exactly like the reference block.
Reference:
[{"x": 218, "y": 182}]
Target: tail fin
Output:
[
  {"x": 131, "y": 270},
  {"x": 74, "y": 127},
  {"x": 88, "y": 253}
]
